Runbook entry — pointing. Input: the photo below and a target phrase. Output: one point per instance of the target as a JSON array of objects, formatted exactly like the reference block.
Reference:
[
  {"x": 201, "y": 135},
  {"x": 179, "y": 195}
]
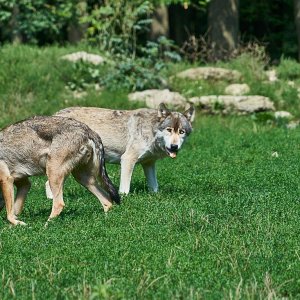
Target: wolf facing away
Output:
[
  {"x": 136, "y": 136},
  {"x": 54, "y": 146}
]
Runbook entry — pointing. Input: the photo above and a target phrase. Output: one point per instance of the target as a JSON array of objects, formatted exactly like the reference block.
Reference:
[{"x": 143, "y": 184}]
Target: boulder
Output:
[
  {"x": 210, "y": 73},
  {"x": 227, "y": 104},
  {"x": 153, "y": 98},
  {"x": 237, "y": 89},
  {"x": 84, "y": 56}
]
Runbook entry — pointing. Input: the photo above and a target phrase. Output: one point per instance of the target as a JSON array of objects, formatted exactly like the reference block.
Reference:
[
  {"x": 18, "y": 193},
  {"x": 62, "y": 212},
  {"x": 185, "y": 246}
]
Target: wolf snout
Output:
[{"x": 174, "y": 147}]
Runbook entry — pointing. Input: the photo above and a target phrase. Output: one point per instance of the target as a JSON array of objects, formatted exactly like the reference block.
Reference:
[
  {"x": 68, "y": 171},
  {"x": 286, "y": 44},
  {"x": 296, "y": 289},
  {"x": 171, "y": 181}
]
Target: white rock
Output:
[
  {"x": 211, "y": 73},
  {"x": 293, "y": 124},
  {"x": 84, "y": 56},
  {"x": 153, "y": 98},
  {"x": 79, "y": 94},
  {"x": 237, "y": 89},
  {"x": 272, "y": 75},
  {"x": 226, "y": 104},
  {"x": 283, "y": 114}
]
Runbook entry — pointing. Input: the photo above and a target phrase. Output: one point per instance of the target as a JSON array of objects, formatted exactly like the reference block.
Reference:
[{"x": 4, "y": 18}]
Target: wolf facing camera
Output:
[{"x": 136, "y": 136}]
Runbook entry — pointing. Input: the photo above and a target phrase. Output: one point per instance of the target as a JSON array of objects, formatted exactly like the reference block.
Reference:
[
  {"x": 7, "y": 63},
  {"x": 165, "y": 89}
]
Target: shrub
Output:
[
  {"x": 37, "y": 21},
  {"x": 127, "y": 73},
  {"x": 114, "y": 25},
  {"x": 288, "y": 69}
]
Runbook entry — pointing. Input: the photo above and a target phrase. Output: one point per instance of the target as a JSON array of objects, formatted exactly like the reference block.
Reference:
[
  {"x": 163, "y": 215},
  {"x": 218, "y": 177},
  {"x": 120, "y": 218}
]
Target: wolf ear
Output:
[
  {"x": 163, "y": 112},
  {"x": 190, "y": 113}
]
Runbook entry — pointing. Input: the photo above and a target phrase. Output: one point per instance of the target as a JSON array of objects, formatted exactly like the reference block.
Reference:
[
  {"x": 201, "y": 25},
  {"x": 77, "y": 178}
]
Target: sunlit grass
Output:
[{"x": 225, "y": 224}]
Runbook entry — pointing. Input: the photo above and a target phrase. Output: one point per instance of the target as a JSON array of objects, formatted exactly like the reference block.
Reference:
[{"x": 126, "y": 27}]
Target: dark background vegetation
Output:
[{"x": 44, "y": 22}]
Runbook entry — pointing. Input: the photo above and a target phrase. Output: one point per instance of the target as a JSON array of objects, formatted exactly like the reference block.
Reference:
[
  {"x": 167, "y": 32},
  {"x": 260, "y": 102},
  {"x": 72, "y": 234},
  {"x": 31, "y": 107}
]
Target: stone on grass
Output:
[
  {"x": 153, "y": 98},
  {"x": 210, "y": 73},
  {"x": 79, "y": 94},
  {"x": 283, "y": 114},
  {"x": 84, "y": 56},
  {"x": 227, "y": 104},
  {"x": 272, "y": 75},
  {"x": 293, "y": 124},
  {"x": 237, "y": 89}
]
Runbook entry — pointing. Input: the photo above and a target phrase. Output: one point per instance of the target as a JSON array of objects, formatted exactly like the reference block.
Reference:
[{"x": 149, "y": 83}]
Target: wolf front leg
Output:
[
  {"x": 150, "y": 173},
  {"x": 48, "y": 190},
  {"x": 128, "y": 161}
]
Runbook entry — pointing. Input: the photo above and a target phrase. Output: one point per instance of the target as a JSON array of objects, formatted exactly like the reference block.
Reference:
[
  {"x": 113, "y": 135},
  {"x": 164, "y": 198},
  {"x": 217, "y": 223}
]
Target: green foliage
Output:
[
  {"x": 142, "y": 72},
  {"x": 114, "y": 25},
  {"x": 271, "y": 22},
  {"x": 288, "y": 69},
  {"x": 31, "y": 19},
  {"x": 126, "y": 73},
  {"x": 251, "y": 60},
  {"x": 186, "y": 3}
]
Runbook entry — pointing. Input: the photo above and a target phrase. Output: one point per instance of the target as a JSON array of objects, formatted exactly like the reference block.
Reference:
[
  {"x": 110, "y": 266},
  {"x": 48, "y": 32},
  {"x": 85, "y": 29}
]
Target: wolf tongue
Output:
[{"x": 172, "y": 154}]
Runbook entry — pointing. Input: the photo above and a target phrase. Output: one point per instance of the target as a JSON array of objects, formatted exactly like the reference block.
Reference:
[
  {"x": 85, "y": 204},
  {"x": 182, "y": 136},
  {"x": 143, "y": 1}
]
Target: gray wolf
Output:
[
  {"x": 136, "y": 136},
  {"x": 54, "y": 146}
]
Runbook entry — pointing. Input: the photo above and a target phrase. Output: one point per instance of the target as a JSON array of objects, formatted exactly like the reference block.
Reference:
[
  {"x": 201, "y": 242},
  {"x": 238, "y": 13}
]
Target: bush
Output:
[
  {"x": 114, "y": 25},
  {"x": 288, "y": 69},
  {"x": 37, "y": 21},
  {"x": 127, "y": 73}
]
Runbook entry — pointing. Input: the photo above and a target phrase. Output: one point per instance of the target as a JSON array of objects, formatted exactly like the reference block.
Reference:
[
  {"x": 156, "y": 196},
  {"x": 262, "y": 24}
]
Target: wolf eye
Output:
[
  {"x": 181, "y": 131},
  {"x": 169, "y": 129}
]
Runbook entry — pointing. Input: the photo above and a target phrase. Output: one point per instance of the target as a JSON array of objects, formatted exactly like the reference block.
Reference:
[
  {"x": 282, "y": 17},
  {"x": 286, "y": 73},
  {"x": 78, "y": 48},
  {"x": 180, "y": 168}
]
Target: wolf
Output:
[
  {"x": 54, "y": 146},
  {"x": 136, "y": 136}
]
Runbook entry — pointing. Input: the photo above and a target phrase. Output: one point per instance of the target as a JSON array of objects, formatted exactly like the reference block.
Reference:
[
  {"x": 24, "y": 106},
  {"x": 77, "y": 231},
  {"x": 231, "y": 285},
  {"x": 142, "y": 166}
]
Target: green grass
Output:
[{"x": 225, "y": 224}]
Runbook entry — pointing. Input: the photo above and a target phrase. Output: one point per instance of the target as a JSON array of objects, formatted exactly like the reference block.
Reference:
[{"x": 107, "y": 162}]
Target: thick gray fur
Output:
[
  {"x": 136, "y": 136},
  {"x": 54, "y": 146}
]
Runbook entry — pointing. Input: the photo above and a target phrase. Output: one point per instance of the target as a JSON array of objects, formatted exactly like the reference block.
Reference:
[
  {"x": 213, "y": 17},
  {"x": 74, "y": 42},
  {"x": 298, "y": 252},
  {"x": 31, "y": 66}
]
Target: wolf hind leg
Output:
[
  {"x": 56, "y": 182},
  {"x": 88, "y": 180},
  {"x": 150, "y": 174},
  {"x": 7, "y": 186},
  {"x": 23, "y": 186},
  {"x": 48, "y": 190}
]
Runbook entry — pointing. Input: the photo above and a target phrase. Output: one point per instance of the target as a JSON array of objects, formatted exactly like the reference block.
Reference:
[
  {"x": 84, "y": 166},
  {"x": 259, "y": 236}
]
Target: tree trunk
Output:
[
  {"x": 297, "y": 23},
  {"x": 16, "y": 36},
  {"x": 160, "y": 23},
  {"x": 178, "y": 23},
  {"x": 223, "y": 27},
  {"x": 76, "y": 30}
]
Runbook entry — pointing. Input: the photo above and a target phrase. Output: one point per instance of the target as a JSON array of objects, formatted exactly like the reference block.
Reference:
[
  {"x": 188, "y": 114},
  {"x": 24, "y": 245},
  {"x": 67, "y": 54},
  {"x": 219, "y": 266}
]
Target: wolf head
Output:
[{"x": 173, "y": 129}]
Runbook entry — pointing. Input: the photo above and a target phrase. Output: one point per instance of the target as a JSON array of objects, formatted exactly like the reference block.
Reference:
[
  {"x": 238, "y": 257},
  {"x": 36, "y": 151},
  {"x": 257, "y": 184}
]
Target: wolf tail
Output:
[{"x": 108, "y": 185}]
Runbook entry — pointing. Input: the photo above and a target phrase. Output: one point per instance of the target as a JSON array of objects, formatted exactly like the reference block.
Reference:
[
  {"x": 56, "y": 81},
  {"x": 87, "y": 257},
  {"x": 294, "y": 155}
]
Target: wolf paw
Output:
[{"x": 17, "y": 222}]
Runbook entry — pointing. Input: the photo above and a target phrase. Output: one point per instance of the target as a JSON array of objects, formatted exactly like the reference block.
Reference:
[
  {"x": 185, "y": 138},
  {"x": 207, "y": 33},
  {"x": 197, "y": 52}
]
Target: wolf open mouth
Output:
[{"x": 171, "y": 153}]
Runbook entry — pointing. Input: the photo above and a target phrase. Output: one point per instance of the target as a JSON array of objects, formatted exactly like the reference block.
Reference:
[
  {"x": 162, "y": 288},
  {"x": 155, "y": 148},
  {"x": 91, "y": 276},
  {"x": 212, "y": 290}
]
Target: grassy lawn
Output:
[{"x": 225, "y": 224}]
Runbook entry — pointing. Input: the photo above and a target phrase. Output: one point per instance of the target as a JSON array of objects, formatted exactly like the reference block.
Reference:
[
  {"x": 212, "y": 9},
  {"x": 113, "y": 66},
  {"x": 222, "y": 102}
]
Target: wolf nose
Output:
[{"x": 174, "y": 147}]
